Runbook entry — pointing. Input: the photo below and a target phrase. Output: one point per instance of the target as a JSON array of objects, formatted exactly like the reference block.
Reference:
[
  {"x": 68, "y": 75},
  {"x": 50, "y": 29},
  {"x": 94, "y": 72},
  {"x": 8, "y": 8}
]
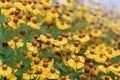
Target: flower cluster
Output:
[{"x": 47, "y": 40}]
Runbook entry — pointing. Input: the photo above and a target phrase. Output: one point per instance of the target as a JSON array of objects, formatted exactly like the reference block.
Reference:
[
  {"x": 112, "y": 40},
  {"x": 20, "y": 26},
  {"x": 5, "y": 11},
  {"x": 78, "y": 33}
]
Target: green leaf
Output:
[
  {"x": 2, "y": 19},
  {"x": 45, "y": 53},
  {"x": 115, "y": 59},
  {"x": 26, "y": 64},
  {"x": 95, "y": 63},
  {"x": 99, "y": 75},
  {"x": 77, "y": 27},
  {"x": 54, "y": 31},
  {"x": 112, "y": 75}
]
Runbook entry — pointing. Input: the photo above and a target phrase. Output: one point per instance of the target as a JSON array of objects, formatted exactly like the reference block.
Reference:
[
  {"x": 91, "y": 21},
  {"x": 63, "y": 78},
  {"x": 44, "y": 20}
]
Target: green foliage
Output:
[
  {"x": 77, "y": 27},
  {"x": 115, "y": 59}
]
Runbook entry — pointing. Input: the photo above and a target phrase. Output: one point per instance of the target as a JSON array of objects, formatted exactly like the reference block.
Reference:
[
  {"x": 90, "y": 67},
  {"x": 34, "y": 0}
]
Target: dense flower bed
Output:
[{"x": 46, "y": 40}]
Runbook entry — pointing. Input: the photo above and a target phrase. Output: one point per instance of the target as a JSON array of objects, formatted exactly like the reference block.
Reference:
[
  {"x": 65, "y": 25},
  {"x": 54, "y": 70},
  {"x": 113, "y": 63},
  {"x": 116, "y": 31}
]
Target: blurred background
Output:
[{"x": 106, "y": 3}]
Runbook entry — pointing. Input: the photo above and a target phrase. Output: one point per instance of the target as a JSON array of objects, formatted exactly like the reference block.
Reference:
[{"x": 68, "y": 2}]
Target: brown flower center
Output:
[
  {"x": 45, "y": 64},
  {"x": 24, "y": 53},
  {"x": 34, "y": 54},
  {"x": 7, "y": 6},
  {"x": 63, "y": 78},
  {"x": 39, "y": 71},
  {"x": 87, "y": 70},
  {"x": 91, "y": 65},
  {"x": 22, "y": 32},
  {"x": 16, "y": 39},
  {"x": 34, "y": 43},
  {"x": 83, "y": 78},
  {"x": 3, "y": 1},
  {"x": 106, "y": 64},
  {"x": 29, "y": 72},
  {"x": 106, "y": 78},
  {"x": 36, "y": 36},
  {"x": 92, "y": 74},
  {"x": 33, "y": 6},
  {"x": 65, "y": 35},
  {"x": 16, "y": 12},
  {"x": 60, "y": 38},
  {"x": 77, "y": 59},
  {"x": 76, "y": 44},
  {"x": 92, "y": 52},
  {"x": 48, "y": 42},
  {"x": 35, "y": 21},
  {"x": 4, "y": 67},
  {"x": 15, "y": 20},
  {"x": 101, "y": 55},
  {"x": 116, "y": 65},
  {"x": 52, "y": 70},
  {"x": 37, "y": 61},
  {"x": 48, "y": 36}
]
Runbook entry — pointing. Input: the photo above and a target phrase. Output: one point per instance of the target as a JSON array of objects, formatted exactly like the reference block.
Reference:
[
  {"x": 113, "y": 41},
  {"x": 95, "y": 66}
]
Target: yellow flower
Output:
[
  {"x": 33, "y": 47},
  {"x": 106, "y": 77},
  {"x": 33, "y": 25},
  {"x": 43, "y": 67},
  {"x": 115, "y": 68},
  {"x": 20, "y": 6},
  {"x": 12, "y": 25},
  {"x": 73, "y": 47},
  {"x": 0, "y": 62},
  {"x": 5, "y": 70},
  {"x": 1, "y": 4},
  {"x": 46, "y": 37},
  {"x": 90, "y": 54},
  {"x": 62, "y": 40},
  {"x": 18, "y": 64},
  {"x": 29, "y": 75},
  {"x": 82, "y": 8},
  {"x": 42, "y": 38},
  {"x": 15, "y": 21},
  {"x": 76, "y": 62},
  {"x": 116, "y": 53},
  {"x": 41, "y": 73},
  {"x": 46, "y": 2},
  {"x": 57, "y": 46},
  {"x": 67, "y": 77},
  {"x": 47, "y": 63},
  {"x": 35, "y": 64},
  {"x": 59, "y": 43},
  {"x": 62, "y": 25},
  {"x": 67, "y": 17},
  {"x": 96, "y": 33},
  {"x": 50, "y": 16},
  {"x": 11, "y": 77},
  {"x": 15, "y": 43},
  {"x": 33, "y": 56},
  {"x": 6, "y": 12},
  {"x": 46, "y": 45},
  {"x": 68, "y": 5},
  {"x": 46, "y": 41},
  {"x": 53, "y": 74},
  {"x": 115, "y": 27},
  {"x": 101, "y": 68},
  {"x": 32, "y": 8},
  {"x": 82, "y": 38},
  {"x": 100, "y": 57},
  {"x": 97, "y": 53},
  {"x": 109, "y": 52}
]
